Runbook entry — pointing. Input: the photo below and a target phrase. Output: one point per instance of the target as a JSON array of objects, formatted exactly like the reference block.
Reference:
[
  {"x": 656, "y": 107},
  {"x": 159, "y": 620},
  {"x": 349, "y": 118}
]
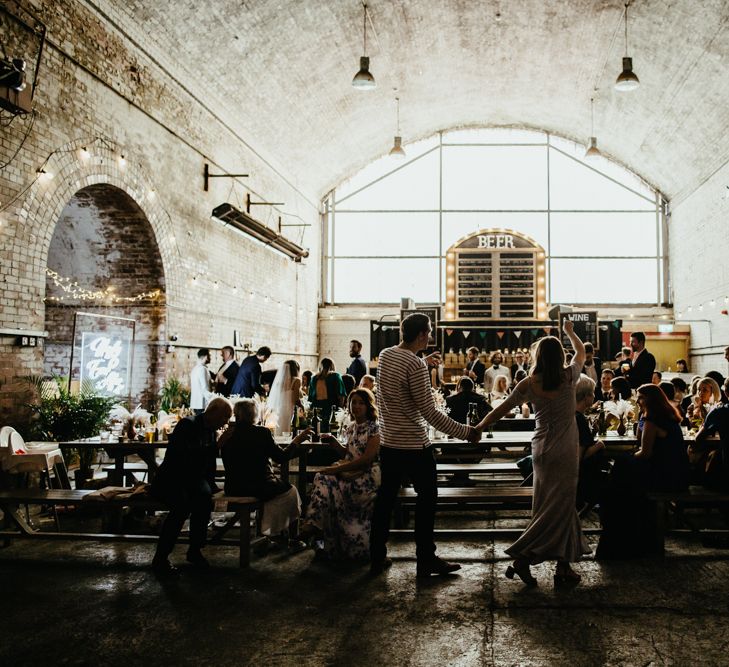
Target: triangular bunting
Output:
[
  {"x": 375, "y": 327},
  {"x": 465, "y": 334},
  {"x": 547, "y": 330},
  {"x": 500, "y": 334},
  {"x": 616, "y": 325},
  {"x": 449, "y": 332},
  {"x": 535, "y": 332},
  {"x": 482, "y": 334},
  {"x": 517, "y": 334}
]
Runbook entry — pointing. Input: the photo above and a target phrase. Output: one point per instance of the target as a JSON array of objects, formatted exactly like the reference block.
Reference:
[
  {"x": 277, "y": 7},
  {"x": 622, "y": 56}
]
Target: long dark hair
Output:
[
  {"x": 369, "y": 399},
  {"x": 657, "y": 407},
  {"x": 548, "y": 358},
  {"x": 326, "y": 366}
]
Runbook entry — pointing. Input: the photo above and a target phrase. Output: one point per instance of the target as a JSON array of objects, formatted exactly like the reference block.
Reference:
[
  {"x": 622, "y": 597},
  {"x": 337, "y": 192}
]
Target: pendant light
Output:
[
  {"x": 397, "y": 152},
  {"x": 364, "y": 80},
  {"x": 592, "y": 150},
  {"x": 627, "y": 80}
]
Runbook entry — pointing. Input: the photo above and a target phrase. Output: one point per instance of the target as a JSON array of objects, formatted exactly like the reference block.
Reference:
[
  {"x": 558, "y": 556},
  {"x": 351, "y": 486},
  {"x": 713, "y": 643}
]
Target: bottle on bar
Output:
[
  {"x": 333, "y": 425},
  {"x": 472, "y": 415}
]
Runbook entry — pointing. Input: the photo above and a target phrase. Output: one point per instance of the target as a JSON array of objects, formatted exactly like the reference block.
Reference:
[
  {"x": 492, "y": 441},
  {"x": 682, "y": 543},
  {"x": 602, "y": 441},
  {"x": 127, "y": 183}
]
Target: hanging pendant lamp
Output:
[
  {"x": 364, "y": 80},
  {"x": 397, "y": 151},
  {"x": 592, "y": 150},
  {"x": 627, "y": 79}
]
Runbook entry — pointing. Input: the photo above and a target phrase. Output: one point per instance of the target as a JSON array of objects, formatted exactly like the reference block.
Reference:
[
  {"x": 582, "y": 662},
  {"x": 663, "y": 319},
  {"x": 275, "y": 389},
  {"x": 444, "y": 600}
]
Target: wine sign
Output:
[
  {"x": 105, "y": 363},
  {"x": 585, "y": 327}
]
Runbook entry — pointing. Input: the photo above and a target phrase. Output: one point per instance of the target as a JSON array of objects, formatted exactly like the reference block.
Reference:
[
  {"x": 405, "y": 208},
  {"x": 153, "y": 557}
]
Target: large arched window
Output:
[{"x": 387, "y": 228}]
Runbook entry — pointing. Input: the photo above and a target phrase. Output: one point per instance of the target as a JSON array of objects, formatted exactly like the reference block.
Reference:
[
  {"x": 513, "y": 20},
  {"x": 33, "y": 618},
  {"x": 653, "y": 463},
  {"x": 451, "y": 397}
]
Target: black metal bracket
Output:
[{"x": 207, "y": 176}]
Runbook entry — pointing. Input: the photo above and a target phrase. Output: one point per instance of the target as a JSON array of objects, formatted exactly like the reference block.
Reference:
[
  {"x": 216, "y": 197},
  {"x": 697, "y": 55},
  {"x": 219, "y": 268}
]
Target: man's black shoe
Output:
[
  {"x": 379, "y": 566},
  {"x": 163, "y": 568},
  {"x": 436, "y": 566},
  {"x": 197, "y": 560}
]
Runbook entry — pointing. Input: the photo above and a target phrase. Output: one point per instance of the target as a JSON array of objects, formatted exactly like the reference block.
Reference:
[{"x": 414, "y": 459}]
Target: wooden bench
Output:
[
  {"x": 506, "y": 497},
  {"x": 696, "y": 496},
  {"x": 134, "y": 468},
  {"x": 11, "y": 500}
]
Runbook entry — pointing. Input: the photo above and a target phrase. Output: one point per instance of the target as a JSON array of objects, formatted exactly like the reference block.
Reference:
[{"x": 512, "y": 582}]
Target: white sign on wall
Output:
[{"x": 105, "y": 363}]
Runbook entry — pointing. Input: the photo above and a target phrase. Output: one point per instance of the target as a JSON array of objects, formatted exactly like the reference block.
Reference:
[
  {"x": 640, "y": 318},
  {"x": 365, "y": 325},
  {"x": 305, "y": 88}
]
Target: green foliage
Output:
[
  {"x": 60, "y": 415},
  {"x": 174, "y": 395}
]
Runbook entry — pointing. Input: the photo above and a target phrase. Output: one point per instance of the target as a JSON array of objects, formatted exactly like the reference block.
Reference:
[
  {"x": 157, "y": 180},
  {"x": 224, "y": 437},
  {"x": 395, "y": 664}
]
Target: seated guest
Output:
[
  {"x": 594, "y": 464},
  {"x": 501, "y": 388},
  {"x": 602, "y": 393},
  {"x": 710, "y": 459},
  {"x": 349, "y": 382},
  {"x": 248, "y": 451},
  {"x": 681, "y": 366},
  {"x": 669, "y": 390},
  {"x": 186, "y": 482},
  {"x": 459, "y": 402},
  {"x": 518, "y": 377},
  {"x": 659, "y": 464},
  {"x": 367, "y": 382},
  {"x": 693, "y": 388},
  {"x": 343, "y": 497},
  {"x": 656, "y": 377},
  {"x": 679, "y": 391},
  {"x": 707, "y": 395},
  {"x": 620, "y": 389},
  {"x": 719, "y": 379}
]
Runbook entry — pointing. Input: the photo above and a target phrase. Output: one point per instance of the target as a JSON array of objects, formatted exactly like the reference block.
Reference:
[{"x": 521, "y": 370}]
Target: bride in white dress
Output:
[{"x": 285, "y": 394}]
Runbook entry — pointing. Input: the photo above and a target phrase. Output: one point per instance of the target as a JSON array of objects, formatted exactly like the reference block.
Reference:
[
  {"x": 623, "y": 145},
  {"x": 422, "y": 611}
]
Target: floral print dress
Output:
[{"x": 342, "y": 508}]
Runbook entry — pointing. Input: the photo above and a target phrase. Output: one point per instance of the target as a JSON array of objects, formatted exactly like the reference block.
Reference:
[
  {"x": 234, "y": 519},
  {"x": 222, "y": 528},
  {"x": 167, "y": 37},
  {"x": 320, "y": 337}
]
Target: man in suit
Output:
[
  {"x": 519, "y": 364},
  {"x": 474, "y": 368},
  {"x": 248, "y": 380},
  {"x": 593, "y": 364},
  {"x": 644, "y": 363},
  {"x": 186, "y": 482},
  {"x": 227, "y": 372},
  {"x": 358, "y": 368}
]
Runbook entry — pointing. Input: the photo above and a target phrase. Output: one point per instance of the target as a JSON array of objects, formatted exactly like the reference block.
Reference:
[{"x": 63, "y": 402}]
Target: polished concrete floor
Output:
[{"x": 66, "y": 603}]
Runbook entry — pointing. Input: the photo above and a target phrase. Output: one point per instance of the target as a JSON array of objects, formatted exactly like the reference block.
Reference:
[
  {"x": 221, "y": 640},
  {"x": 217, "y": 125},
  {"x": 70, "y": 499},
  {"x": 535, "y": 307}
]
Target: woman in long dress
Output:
[
  {"x": 285, "y": 394},
  {"x": 342, "y": 500},
  {"x": 554, "y": 532}
]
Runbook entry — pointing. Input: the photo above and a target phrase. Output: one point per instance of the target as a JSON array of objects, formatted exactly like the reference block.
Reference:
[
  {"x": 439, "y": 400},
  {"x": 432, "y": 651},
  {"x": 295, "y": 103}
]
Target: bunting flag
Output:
[
  {"x": 465, "y": 334},
  {"x": 517, "y": 334},
  {"x": 500, "y": 334},
  {"x": 482, "y": 334},
  {"x": 547, "y": 330},
  {"x": 616, "y": 324},
  {"x": 449, "y": 332},
  {"x": 535, "y": 332},
  {"x": 375, "y": 327}
]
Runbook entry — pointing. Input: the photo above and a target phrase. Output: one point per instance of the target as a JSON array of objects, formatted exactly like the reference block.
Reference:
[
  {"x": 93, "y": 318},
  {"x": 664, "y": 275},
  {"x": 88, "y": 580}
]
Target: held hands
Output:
[
  {"x": 474, "y": 434},
  {"x": 329, "y": 439}
]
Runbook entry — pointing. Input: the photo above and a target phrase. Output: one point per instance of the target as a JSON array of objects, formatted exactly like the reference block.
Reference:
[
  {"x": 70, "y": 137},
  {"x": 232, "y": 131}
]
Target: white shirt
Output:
[{"x": 199, "y": 386}]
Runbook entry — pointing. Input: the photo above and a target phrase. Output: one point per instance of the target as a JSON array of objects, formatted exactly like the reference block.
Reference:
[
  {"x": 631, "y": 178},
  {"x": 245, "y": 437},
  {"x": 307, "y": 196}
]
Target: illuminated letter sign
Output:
[{"x": 105, "y": 363}]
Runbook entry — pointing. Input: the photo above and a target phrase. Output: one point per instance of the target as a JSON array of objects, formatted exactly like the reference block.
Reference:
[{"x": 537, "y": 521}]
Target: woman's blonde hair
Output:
[{"x": 713, "y": 385}]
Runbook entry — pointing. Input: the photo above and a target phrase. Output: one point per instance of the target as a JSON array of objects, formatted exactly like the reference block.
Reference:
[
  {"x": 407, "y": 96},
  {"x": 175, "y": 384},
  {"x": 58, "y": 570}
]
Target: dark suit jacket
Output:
[
  {"x": 458, "y": 403},
  {"x": 515, "y": 367},
  {"x": 478, "y": 368},
  {"x": 230, "y": 374},
  {"x": 248, "y": 380},
  {"x": 357, "y": 369},
  {"x": 247, "y": 456},
  {"x": 189, "y": 458},
  {"x": 642, "y": 370}
]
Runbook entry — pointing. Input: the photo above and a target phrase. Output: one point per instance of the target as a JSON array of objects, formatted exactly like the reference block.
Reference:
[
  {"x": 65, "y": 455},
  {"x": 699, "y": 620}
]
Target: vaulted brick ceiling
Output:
[{"x": 282, "y": 70}]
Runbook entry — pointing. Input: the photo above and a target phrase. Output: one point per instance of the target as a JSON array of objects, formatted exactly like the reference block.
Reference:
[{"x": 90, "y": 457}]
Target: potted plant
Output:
[
  {"x": 60, "y": 416},
  {"x": 174, "y": 395}
]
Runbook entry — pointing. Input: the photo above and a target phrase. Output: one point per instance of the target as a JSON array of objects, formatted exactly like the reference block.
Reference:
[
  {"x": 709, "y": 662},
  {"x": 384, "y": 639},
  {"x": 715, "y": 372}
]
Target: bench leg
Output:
[{"x": 245, "y": 538}]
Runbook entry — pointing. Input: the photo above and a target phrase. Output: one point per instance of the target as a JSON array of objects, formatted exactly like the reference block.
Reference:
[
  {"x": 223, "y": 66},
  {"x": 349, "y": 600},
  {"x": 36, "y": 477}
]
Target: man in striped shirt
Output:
[{"x": 406, "y": 406}]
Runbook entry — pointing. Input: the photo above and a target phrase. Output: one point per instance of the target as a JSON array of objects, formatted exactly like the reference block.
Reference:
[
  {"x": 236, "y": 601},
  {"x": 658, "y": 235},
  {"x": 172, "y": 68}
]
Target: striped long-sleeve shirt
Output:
[{"x": 405, "y": 402}]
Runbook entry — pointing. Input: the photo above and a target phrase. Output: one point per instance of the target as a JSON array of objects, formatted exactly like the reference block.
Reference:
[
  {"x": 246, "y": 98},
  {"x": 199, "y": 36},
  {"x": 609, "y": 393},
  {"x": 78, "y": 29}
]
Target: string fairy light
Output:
[{"x": 72, "y": 291}]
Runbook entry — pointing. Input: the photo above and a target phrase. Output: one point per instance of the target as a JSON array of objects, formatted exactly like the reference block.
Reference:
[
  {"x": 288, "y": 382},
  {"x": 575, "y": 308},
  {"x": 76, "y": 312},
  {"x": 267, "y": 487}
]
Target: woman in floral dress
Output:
[{"x": 340, "y": 510}]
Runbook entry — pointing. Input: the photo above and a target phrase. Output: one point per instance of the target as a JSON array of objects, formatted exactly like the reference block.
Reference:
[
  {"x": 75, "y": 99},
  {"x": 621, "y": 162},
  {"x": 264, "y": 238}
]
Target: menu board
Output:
[{"x": 586, "y": 327}]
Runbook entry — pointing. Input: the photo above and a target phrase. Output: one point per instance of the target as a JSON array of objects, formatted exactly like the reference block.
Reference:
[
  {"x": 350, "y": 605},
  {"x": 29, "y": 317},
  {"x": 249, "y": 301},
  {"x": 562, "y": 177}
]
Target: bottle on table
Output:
[
  {"x": 315, "y": 425},
  {"x": 472, "y": 415},
  {"x": 333, "y": 425},
  {"x": 295, "y": 422}
]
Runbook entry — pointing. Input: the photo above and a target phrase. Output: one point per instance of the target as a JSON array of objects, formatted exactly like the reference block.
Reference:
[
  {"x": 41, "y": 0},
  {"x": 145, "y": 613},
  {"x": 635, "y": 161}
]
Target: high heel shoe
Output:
[
  {"x": 567, "y": 577},
  {"x": 522, "y": 571}
]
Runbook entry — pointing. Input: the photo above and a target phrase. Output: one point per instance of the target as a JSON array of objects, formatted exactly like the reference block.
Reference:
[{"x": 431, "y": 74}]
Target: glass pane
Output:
[
  {"x": 385, "y": 280},
  {"x": 604, "y": 281},
  {"x": 398, "y": 234},
  {"x": 494, "y": 177},
  {"x": 457, "y": 225},
  {"x": 604, "y": 234},
  {"x": 494, "y": 135},
  {"x": 414, "y": 186},
  {"x": 604, "y": 165},
  {"x": 575, "y": 186}
]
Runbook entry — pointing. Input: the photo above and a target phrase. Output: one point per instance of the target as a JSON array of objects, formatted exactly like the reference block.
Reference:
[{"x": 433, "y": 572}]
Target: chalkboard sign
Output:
[
  {"x": 432, "y": 313},
  {"x": 585, "y": 322}
]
